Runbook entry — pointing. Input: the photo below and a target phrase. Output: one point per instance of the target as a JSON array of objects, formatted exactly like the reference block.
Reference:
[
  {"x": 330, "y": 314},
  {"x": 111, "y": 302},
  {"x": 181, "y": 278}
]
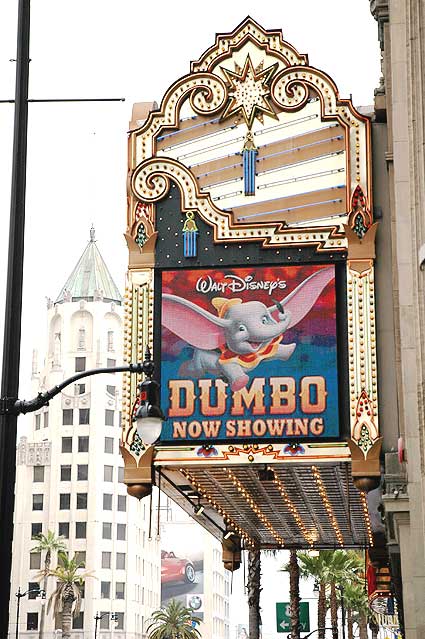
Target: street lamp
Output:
[
  {"x": 148, "y": 416},
  {"x": 98, "y": 616},
  {"x": 40, "y": 593}
]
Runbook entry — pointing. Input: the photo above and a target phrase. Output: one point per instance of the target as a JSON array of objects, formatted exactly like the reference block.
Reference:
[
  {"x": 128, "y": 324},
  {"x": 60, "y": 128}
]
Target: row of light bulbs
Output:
[
  {"x": 293, "y": 510},
  {"x": 322, "y": 492},
  {"x": 251, "y": 503},
  {"x": 366, "y": 518}
]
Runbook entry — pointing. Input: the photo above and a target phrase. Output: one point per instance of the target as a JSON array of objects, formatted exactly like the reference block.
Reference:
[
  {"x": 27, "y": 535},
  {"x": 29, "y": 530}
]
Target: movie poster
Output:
[{"x": 249, "y": 353}]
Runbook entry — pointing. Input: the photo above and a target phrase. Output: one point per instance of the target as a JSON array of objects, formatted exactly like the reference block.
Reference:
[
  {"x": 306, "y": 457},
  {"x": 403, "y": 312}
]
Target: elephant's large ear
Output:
[
  {"x": 303, "y": 298},
  {"x": 191, "y": 323}
]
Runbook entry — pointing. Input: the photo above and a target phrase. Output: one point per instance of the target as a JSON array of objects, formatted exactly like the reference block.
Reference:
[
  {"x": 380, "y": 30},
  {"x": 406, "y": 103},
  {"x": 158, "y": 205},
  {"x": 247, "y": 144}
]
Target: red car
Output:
[{"x": 176, "y": 569}]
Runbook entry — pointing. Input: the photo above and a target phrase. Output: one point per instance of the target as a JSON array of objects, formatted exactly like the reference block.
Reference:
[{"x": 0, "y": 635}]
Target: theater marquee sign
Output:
[{"x": 251, "y": 264}]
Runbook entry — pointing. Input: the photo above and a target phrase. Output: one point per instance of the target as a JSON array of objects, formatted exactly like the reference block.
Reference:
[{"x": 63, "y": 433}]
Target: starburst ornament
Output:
[{"x": 249, "y": 91}]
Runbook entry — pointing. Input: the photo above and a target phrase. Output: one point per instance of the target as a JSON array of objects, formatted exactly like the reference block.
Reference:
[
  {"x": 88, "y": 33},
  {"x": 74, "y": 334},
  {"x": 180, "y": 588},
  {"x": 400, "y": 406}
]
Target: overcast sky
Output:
[{"x": 77, "y": 152}]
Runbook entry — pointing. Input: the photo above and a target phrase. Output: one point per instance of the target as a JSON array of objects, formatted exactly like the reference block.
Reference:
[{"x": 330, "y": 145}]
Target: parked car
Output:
[{"x": 176, "y": 568}]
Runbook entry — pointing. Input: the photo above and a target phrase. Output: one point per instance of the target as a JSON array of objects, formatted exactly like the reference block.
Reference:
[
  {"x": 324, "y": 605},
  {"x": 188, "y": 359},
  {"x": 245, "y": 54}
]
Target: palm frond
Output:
[{"x": 69, "y": 579}]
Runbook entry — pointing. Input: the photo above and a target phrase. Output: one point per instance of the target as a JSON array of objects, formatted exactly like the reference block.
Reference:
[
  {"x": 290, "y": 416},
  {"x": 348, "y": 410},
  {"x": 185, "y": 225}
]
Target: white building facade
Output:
[{"x": 69, "y": 470}]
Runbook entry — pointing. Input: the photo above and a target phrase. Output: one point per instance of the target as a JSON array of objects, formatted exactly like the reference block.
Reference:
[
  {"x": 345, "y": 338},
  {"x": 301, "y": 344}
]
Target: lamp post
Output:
[
  {"x": 98, "y": 616},
  {"x": 13, "y": 303},
  {"x": 40, "y": 593}
]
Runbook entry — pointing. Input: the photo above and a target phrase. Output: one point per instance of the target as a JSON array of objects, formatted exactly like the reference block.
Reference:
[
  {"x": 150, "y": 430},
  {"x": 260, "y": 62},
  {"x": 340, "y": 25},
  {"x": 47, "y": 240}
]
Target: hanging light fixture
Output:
[{"x": 149, "y": 416}]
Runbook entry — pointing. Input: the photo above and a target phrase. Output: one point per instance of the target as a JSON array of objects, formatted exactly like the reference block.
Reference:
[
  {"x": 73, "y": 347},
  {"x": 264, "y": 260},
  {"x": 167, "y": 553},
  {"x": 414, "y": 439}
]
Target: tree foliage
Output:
[
  {"x": 330, "y": 569},
  {"x": 48, "y": 544},
  {"x": 66, "y": 598},
  {"x": 173, "y": 621}
]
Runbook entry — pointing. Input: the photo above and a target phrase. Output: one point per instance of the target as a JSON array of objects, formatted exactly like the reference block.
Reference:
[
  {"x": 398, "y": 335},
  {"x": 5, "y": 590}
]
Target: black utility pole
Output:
[{"x": 13, "y": 309}]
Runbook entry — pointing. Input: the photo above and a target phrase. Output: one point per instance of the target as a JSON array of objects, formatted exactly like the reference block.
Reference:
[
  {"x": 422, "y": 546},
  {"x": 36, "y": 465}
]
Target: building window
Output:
[
  {"x": 122, "y": 503},
  {"x": 78, "y": 622},
  {"x": 37, "y": 502},
  {"x": 45, "y": 419},
  {"x": 110, "y": 341},
  {"x": 64, "y": 529},
  {"x": 80, "y": 558},
  {"x": 60, "y": 557},
  {"x": 65, "y": 501},
  {"x": 107, "y": 501},
  {"x": 106, "y": 559},
  {"x": 82, "y": 472},
  {"x": 109, "y": 414},
  {"x": 108, "y": 473},
  {"x": 106, "y": 530},
  {"x": 80, "y": 389},
  {"x": 104, "y": 621},
  {"x": 120, "y": 561},
  {"x": 82, "y": 339},
  {"x": 32, "y": 620},
  {"x": 38, "y": 473},
  {"x": 80, "y": 364},
  {"x": 119, "y": 624},
  {"x": 35, "y": 560},
  {"x": 111, "y": 363},
  {"x": 33, "y": 589},
  {"x": 66, "y": 472},
  {"x": 105, "y": 589},
  {"x": 84, "y": 416},
  {"x": 81, "y": 501},
  {"x": 80, "y": 530},
  {"x": 37, "y": 422},
  {"x": 121, "y": 532},
  {"x": 83, "y": 444},
  {"x": 109, "y": 444},
  {"x": 36, "y": 529},
  {"x": 119, "y": 590},
  {"x": 67, "y": 416},
  {"x": 121, "y": 474},
  {"x": 67, "y": 444}
]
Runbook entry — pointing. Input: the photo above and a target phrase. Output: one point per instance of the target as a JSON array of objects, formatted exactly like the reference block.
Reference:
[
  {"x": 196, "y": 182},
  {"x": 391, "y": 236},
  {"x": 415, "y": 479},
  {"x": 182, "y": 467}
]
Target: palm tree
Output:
[
  {"x": 356, "y": 603},
  {"x": 254, "y": 589},
  {"x": 315, "y": 566},
  {"x": 66, "y": 598},
  {"x": 329, "y": 568},
  {"x": 294, "y": 593},
  {"x": 47, "y": 543},
  {"x": 340, "y": 567},
  {"x": 173, "y": 621}
]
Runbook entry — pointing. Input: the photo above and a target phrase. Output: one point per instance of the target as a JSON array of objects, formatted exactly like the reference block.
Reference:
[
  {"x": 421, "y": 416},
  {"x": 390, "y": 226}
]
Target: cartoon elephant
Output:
[{"x": 243, "y": 334}]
